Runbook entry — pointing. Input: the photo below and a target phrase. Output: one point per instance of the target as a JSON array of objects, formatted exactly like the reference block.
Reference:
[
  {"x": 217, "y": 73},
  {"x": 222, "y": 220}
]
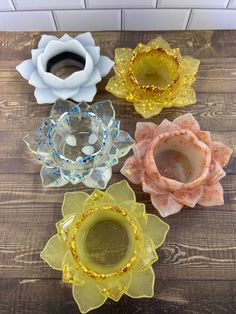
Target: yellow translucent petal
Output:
[
  {"x": 98, "y": 198},
  {"x": 142, "y": 284},
  {"x": 116, "y": 86},
  {"x": 137, "y": 210},
  {"x": 186, "y": 96},
  {"x": 70, "y": 273},
  {"x": 190, "y": 65},
  {"x": 121, "y": 192},
  {"x": 123, "y": 56},
  {"x": 88, "y": 297},
  {"x": 115, "y": 287},
  {"x": 148, "y": 255},
  {"x": 159, "y": 42},
  {"x": 63, "y": 227},
  {"x": 73, "y": 202},
  {"x": 156, "y": 229},
  {"x": 147, "y": 110},
  {"x": 54, "y": 252}
]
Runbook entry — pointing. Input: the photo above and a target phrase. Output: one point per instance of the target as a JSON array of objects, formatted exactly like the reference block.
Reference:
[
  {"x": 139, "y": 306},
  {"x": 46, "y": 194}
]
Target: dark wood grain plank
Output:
[{"x": 185, "y": 297}]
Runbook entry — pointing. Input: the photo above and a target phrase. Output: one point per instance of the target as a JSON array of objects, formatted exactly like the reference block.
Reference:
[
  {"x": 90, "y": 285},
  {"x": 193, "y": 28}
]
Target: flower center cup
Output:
[
  {"x": 105, "y": 241},
  {"x": 155, "y": 68},
  {"x": 65, "y": 64},
  {"x": 179, "y": 158},
  {"x": 77, "y": 140}
]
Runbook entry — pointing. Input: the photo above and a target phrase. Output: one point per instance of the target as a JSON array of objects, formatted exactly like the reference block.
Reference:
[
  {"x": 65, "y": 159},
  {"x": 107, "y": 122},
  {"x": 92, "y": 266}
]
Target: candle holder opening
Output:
[
  {"x": 105, "y": 241},
  {"x": 179, "y": 158},
  {"x": 77, "y": 139},
  {"x": 65, "y": 64},
  {"x": 156, "y": 69}
]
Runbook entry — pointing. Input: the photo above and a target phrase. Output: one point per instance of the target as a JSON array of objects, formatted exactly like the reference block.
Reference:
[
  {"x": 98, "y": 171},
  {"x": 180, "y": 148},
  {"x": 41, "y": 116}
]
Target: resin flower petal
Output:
[
  {"x": 105, "y": 246},
  {"x": 88, "y": 297},
  {"x": 79, "y": 143},
  {"x": 142, "y": 284},
  {"x": 153, "y": 77},
  {"x": 54, "y": 252},
  {"x": 177, "y": 164},
  {"x": 73, "y": 202},
  {"x": 65, "y": 67},
  {"x": 121, "y": 191}
]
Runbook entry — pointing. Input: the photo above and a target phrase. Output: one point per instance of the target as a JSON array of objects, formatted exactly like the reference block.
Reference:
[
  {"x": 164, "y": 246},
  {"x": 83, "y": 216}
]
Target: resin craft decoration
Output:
[
  {"x": 178, "y": 164},
  {"x": 79, "y": 143},
  {"x": 105, "y": 246},
  {"x": 65, "y": 68},
  {"x": 153, "y": 77}
]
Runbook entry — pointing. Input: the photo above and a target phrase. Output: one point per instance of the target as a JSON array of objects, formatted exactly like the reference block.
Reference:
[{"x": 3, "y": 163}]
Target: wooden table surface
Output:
[{"x": 196, "y": 271}]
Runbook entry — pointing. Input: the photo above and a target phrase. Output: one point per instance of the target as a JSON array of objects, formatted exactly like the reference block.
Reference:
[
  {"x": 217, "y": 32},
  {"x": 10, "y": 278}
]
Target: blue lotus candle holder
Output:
[{"x": 79, "y": 143}]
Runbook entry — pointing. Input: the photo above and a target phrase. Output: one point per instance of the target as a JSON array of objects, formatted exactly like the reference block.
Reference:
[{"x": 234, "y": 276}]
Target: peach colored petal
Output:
[
  {"x": 140, "y": 149},
  {"x": 216, "y": 172},
  {"x": 205, "y": 137},
  {"x": 221, "y": 153},
  {"x": 166, "y": 126},
  {"x": 188, "y": 197},
  {"x": 212, "y": 195},
  {"x": 144, "y": 131},
  {"x": 149, "y": 185},
  {"x": 132, "y": 170},
  {"x": 187, "y": 121},
  {"x": 165, "y": 204}
]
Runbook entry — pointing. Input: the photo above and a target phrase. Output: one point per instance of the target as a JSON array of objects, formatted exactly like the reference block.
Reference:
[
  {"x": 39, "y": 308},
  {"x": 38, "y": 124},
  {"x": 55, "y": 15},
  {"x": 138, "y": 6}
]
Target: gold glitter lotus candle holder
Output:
[
  {"x": 105, "y": 246},
  {"x": 153, "y": 77}
]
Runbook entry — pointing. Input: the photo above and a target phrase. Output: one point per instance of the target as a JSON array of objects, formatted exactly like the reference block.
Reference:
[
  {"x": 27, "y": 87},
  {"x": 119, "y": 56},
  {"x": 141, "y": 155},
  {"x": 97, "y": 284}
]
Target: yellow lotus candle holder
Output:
[
  {"x": 105, "y": 246},
  {"x": 153, "y": 77}
]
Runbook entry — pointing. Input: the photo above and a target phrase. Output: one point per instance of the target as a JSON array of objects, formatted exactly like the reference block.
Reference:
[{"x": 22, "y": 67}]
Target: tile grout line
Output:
[
  {"x": 54, "y": 19},
  {"x": 14, "y": 5},
  {"x": 188, "y": 22}
]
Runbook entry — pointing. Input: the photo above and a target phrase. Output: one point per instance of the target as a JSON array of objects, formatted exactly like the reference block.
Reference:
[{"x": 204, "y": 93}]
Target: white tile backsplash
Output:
[
  {"x": 192, "y": 3},
  {"x": 6, "y": 5},
  {"x": 120, "y": 4},
  {"x": 83, "y": 20},
  {"x": 27, "y": 21},
  {"x": 212, "y": 19},
  {"x": 48, "y": 4},
  {"x": 102, "y": 15},
  {"x": 232, "y": 4},
  {"x": 158, "y": 19}
]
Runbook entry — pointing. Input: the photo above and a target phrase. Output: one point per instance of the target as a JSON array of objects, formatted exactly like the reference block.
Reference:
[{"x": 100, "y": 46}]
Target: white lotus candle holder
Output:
[{"x": 65, "y": 68}]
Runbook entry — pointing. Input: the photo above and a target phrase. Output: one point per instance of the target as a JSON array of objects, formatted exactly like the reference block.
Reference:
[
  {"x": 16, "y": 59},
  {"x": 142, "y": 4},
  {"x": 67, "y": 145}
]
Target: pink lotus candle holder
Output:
[{"x": 178, "y": 164}]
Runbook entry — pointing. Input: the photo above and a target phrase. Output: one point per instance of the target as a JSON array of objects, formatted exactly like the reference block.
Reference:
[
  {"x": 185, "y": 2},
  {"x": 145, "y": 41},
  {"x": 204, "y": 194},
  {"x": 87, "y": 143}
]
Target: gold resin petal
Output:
[
  {"x": 121, "y": 192},
  {"x": 88, "y": 296},
  {"x": 116, "y": 86},
  {"x": 190, "y": 65},
  {"x": 147, "y": 109},
  {"x": 156, "y": 229},
  {"x": 123, "y": 56},
  {"x": 185, "y": 97},
  {"x": 98, "y": 198},
  {"x": 73, "y": 203},
  {"x": 142, "y": 284},
  {"x": 54, "y": 252},
  {"x": 159, "y": 42}
]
